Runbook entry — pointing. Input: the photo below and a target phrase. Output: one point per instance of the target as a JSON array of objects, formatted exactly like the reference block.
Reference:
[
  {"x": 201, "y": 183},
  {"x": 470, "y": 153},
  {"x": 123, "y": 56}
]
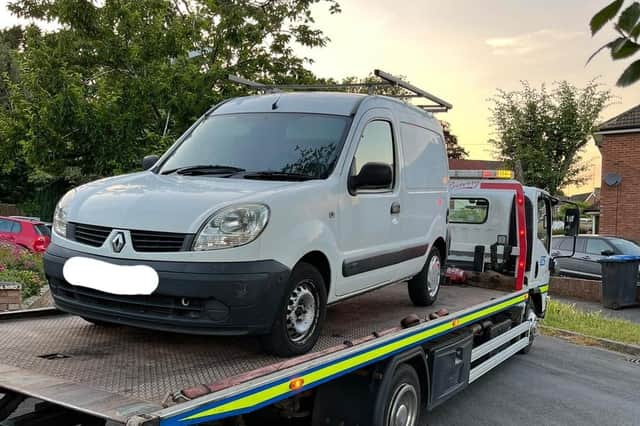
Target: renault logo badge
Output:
[{"x": 117, "y": 242}]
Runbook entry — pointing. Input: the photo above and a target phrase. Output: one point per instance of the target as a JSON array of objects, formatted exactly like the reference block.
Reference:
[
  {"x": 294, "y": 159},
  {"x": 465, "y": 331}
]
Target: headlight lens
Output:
[
  {"x": 232, "y": 226},
  {"x": 59, "y": 224}
]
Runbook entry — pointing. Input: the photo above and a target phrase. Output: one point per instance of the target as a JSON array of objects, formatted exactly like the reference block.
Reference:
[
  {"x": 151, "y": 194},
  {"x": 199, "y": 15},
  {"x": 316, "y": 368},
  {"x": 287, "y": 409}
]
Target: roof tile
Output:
[{"x": 627, "y": 120}]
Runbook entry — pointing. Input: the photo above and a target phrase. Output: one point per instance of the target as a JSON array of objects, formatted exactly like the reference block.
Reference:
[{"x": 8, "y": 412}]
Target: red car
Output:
[{"x": 30, "y": 234}]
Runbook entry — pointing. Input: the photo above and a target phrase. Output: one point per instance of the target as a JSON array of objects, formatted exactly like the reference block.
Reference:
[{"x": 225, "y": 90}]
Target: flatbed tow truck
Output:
[{"x": 378, "y": 353}]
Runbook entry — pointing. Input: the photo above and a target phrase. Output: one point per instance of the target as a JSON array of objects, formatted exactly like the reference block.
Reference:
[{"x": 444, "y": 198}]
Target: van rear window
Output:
[{"x": 468, "y": 210}]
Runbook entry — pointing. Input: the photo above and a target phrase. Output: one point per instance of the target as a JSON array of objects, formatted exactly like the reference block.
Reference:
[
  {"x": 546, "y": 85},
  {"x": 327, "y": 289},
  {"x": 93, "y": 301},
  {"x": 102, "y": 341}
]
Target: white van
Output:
[{"x": 268, "y": 209}]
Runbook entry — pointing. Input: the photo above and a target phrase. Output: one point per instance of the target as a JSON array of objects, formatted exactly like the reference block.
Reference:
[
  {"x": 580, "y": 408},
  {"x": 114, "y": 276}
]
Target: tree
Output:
[
  {"x": 454, "y": 150},
  {"x": 542, "y": 131},
  {"x": 120, "y": 79},
  {"x": 626, "y": 45},
  {"x": 116, "y": 81}
]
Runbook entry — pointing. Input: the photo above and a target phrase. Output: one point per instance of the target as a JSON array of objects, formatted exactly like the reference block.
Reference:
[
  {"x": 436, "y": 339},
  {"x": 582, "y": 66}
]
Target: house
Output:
[
  {"x": 587, "y": 198},
  {"x": 591, "y": 203},
  {"x": 619, "y": 142}
]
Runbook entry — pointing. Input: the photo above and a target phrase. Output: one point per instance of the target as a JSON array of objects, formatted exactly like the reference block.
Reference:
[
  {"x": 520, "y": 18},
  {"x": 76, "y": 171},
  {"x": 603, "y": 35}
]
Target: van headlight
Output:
[
  {"x": 59, "y": 224},
  {"x": 232, "y": 226}
]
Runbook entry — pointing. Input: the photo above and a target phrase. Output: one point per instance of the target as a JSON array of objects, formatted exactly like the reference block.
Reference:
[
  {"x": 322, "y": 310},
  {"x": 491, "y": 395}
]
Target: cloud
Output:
[{"x": 524, "y": 44}]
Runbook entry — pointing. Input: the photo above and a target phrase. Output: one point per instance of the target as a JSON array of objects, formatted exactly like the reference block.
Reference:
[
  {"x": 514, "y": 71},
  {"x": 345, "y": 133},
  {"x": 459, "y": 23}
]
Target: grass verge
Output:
[{"x": 567, "y": 317}]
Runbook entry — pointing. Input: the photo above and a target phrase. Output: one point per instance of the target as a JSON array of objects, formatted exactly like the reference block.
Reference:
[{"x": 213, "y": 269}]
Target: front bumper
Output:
[{"x": 192, "y": 297}]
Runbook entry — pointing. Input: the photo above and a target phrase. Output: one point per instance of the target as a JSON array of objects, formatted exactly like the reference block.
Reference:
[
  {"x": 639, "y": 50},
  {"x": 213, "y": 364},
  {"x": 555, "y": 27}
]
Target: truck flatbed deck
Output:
[{"x": 118, "y": 372}]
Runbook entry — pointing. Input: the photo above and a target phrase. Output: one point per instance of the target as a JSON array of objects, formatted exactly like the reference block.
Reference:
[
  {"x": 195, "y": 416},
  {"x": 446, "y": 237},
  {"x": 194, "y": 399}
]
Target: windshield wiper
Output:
[
  {"x": 274, "y": 175},
  {"x": 204, "y": 169}
]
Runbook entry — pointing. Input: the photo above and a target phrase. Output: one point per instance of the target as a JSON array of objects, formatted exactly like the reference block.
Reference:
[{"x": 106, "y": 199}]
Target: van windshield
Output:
[{"x": 287, "y": 143}]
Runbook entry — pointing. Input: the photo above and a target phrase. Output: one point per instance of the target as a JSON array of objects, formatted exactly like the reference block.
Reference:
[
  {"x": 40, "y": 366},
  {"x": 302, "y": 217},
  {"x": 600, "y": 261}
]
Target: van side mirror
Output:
[
  {"x": 148, "y": 161},
  {"x": 372, "y": 176},
  {"x": 608, "y": 252},
  {"x": 572, "y": 222}
]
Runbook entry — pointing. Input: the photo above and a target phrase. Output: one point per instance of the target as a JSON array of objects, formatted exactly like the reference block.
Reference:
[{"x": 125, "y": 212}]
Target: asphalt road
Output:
[{"x": 557, "y": 383}]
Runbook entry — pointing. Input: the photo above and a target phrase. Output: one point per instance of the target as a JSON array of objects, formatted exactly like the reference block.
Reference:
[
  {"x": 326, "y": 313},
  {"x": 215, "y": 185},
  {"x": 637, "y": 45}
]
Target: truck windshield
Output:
[{"x": 286, "y": 143}]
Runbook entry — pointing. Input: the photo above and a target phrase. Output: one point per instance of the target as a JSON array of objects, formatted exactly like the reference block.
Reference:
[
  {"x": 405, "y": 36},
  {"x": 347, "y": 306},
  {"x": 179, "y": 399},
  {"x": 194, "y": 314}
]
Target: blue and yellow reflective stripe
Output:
[
  {"x": 273, "y": 392},
  {"x": 544, "y": 288}
]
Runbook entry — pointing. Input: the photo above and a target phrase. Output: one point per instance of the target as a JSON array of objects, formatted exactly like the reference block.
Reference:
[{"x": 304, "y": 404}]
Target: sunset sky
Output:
[{"x": 463, "y": 51}]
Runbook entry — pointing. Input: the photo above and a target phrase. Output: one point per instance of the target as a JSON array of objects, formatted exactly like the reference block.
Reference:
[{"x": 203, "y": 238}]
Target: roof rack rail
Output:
[{"x": 386, "y": 80}]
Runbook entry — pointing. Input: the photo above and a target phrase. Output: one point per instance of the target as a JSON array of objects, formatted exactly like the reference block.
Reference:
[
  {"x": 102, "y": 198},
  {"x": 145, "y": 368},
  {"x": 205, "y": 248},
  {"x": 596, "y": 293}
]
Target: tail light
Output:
[{"x": 40, "y": 244}]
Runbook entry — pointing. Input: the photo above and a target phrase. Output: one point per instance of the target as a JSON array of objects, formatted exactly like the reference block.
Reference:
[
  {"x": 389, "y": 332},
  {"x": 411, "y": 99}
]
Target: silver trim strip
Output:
[
  {"x": 498, "y": 341},
  {"x": 496, "y": 360}
]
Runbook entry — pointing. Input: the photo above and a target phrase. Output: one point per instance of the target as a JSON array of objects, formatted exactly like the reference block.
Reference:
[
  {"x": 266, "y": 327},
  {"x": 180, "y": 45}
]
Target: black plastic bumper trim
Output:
[
  {"x": 359, "y": 266},
  {"x": 228, "y": 297}
]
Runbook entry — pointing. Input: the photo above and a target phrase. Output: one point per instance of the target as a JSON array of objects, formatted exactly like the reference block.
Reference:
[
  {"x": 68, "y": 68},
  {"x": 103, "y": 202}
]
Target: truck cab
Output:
[{"x": 499, "y": 226}]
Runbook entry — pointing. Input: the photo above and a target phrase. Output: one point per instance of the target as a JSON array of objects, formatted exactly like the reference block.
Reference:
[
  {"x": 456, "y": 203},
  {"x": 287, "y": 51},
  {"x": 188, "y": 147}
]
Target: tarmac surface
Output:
[{"x": 557, "y": 383}]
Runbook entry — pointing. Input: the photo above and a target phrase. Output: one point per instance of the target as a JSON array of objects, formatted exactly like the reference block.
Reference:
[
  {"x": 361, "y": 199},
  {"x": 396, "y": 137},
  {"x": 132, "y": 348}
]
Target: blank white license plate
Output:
[{"x": 110, "y": 278}]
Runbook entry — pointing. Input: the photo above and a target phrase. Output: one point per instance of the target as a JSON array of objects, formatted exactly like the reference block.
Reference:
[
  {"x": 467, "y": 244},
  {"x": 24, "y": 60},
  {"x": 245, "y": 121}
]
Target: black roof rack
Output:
[{"x": 386, "y": 80}]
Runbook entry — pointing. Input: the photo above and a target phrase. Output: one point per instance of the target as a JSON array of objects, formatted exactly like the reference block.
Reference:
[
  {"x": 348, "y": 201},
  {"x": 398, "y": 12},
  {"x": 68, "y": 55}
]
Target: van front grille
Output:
[
  {"x": 157, "y": 241},
  {"x": 143, "y": 241},
  {"x": 88, "y": 234}
]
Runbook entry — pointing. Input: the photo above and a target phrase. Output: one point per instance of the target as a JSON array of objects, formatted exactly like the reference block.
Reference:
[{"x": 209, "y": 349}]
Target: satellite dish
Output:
[{"x": 612, "y": 179}]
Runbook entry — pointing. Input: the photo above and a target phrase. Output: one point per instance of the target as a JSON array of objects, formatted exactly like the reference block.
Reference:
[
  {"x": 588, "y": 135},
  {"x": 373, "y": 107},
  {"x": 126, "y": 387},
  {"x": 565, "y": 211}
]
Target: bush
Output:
[{"x": 23, "y": 267}]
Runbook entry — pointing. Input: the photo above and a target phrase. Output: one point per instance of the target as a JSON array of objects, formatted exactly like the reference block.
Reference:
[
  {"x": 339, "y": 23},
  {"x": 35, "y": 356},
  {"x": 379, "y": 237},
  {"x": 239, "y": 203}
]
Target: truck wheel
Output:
[
  {"x": 301, "y": 314},
  {"x": 530, "y": 315},
  {"x": 424, "y": 287},
  {"x": 399, "y": 403}
]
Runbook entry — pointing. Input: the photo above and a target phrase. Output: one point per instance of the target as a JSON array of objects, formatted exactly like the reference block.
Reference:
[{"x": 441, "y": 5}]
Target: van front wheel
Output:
[
  {"x": 424, "y": 287},
  {"x": 301, "y": 314}
]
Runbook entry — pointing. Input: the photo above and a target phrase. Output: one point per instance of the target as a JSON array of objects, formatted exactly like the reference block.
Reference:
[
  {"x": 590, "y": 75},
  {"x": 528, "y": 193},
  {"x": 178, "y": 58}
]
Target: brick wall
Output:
[
  {"x": 590, "y": 290},
  {"x": 620, "y": 205},
  {"x": 10, "y": 297}
]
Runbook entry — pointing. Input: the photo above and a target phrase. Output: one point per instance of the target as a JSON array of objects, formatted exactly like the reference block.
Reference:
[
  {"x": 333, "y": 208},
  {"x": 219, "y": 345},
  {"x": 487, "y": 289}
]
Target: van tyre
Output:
[
  {"x": 301, "y": 314},
  {"x": 424, "y": 287},
  {"x": 399, "y": 402}
]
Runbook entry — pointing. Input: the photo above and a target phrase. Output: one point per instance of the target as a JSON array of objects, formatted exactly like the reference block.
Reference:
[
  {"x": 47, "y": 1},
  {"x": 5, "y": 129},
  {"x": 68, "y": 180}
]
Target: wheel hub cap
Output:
[
  {"x": 404, "y": 407},
  {"x": 302, "y": 312},
  {"x": 433, "y": 275},
  {"x": 533, "y": 327}
]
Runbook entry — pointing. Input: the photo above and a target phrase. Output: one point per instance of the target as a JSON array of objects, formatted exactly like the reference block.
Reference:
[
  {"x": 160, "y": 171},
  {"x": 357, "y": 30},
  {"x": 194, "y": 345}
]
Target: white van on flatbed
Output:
[
  {"x": 267, "y": 210},
  {"x": 378, "y": 360}
]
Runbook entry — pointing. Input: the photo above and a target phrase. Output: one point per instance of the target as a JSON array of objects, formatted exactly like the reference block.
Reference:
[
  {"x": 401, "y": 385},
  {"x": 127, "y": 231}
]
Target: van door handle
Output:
[{"x": 395, "y": 208}]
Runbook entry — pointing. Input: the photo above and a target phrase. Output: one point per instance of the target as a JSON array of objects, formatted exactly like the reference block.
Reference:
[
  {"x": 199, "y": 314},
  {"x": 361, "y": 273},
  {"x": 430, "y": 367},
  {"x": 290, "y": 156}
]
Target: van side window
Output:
[
  {"x": 424, "y": 157},
  {"x": 376, "y": 146}
]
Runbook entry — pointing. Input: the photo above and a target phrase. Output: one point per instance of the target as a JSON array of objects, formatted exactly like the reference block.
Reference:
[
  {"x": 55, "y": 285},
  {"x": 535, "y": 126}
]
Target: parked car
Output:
[
  {"x": 589, "y": 249},
  {"x": 27, "y": 233}
]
